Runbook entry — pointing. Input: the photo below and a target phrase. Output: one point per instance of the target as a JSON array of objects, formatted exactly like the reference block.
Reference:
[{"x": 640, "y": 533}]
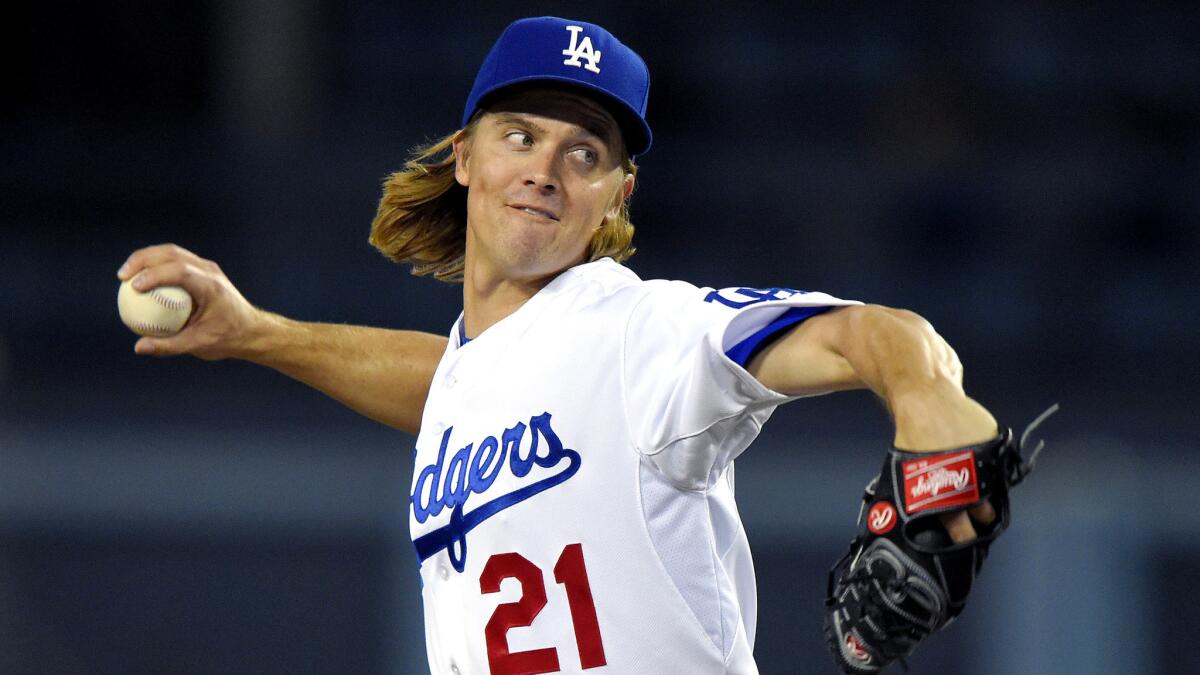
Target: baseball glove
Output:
[{"x": 903, "y": 578}]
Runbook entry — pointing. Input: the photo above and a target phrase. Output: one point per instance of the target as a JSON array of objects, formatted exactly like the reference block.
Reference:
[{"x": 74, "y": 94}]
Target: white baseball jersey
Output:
[{"x": 572, "y": 500}]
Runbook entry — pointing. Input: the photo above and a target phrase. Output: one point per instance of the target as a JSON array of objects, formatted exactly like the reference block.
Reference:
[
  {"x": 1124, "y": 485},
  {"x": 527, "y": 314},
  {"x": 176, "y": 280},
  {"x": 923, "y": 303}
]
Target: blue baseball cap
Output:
[{"x": 575, "y": 53}]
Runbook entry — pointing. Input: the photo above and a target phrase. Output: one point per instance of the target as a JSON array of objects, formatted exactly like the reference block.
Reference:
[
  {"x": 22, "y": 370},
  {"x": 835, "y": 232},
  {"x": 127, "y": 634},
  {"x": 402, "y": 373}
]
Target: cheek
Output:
[
  {"x": 484, "y": 177},
  {"x": 490, "y": 172},
  {"x": 591, "y": 208},
  {"x": 487, "y": 189},
  {"x": 606, "y": 193}
]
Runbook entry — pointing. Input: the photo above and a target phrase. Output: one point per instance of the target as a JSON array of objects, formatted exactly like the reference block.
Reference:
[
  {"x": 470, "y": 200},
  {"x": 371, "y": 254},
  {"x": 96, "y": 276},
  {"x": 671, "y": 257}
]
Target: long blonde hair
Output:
[{"x": 422, "y": 215}]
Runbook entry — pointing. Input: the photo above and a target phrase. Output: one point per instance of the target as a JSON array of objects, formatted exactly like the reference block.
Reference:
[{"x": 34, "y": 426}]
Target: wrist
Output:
[
  {"x": 939, "y": 416},
  {"x": 264, "y": 337}
]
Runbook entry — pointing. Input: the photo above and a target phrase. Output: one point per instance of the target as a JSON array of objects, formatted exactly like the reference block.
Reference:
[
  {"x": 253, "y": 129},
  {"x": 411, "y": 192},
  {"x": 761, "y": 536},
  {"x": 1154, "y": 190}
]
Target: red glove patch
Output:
[{"x": 940, "y": 481}]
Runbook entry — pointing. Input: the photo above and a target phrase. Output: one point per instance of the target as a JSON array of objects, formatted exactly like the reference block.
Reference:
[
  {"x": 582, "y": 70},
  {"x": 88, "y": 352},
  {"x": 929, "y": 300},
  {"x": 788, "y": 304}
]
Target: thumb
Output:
[{"x": 164, "y": 346}]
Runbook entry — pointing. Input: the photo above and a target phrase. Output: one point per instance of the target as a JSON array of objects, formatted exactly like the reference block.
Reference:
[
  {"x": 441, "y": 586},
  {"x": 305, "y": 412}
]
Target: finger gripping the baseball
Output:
[
  {"x": 222, "y": 323},
  {"x": 159, "y": 312}
]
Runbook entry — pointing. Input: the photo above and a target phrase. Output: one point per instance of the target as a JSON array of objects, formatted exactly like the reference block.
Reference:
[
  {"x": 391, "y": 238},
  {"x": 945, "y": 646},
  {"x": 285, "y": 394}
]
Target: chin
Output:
[
  {"x": 535, "y": 262},
  {"x": 532, "y": 249},
  {"x": 529, "y": 249}
]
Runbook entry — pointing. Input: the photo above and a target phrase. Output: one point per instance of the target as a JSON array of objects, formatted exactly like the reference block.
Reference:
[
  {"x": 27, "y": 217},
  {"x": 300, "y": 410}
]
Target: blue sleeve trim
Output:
[{"x": 742, "y": 352}]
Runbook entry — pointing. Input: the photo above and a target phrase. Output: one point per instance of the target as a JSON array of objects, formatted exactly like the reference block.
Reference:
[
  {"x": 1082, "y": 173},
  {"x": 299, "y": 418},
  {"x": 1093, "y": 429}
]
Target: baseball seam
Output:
[
  {"x": 168, "y": 302},
  {"x": 151, "y": 328}
]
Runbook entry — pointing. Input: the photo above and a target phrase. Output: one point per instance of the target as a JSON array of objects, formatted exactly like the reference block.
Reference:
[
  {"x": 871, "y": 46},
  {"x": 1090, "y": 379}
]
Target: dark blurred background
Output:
[{"x": 1024, "y": 175}]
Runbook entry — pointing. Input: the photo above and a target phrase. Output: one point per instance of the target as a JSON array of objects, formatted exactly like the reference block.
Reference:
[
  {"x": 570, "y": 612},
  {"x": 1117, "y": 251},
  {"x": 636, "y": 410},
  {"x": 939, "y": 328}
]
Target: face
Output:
[{"x": 542, "y": 170}]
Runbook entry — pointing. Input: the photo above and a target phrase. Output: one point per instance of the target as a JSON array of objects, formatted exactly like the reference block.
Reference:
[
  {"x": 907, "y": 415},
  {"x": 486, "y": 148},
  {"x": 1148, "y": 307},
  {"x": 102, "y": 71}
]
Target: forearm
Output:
[
  {"x": 898, "y": 355},
  {"x": 380, "y": 373}
]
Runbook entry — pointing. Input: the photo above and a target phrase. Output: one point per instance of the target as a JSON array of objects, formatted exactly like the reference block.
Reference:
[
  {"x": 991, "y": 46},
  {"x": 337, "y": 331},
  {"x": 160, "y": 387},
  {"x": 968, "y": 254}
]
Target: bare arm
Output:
[
  {"x": 382, "y": 374},
  {"x": 896, "y": 354}
]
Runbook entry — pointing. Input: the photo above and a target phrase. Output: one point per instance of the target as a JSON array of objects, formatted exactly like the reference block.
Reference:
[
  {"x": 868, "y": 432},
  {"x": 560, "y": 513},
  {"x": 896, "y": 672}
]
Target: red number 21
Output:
[{"x": 568, "y": 571}]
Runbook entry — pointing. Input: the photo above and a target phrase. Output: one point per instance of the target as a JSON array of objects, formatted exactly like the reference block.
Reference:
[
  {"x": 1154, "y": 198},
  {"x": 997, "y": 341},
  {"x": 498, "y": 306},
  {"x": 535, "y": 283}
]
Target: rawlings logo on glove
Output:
[
  {"x": 903, "y": 578},
  {"x": 945, "y": 480}
]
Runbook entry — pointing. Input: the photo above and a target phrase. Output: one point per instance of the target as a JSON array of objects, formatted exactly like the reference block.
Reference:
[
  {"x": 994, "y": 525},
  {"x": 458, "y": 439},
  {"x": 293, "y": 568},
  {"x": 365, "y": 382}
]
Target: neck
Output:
[{"x": 491, "y": 294}]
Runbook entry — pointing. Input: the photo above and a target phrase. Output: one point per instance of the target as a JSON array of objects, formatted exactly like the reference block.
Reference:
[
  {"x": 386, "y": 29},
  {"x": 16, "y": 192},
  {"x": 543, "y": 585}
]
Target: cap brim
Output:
[{"x": 634, "y": 129}]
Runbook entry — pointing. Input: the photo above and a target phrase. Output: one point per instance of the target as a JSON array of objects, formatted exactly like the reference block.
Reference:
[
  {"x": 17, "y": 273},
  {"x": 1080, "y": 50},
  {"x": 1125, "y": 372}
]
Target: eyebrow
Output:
[{"x": 593, "y": 125}]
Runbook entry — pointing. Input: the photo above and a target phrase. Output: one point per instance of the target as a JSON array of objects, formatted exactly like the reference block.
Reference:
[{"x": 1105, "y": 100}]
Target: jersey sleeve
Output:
[{"x": 690, "y": 404}]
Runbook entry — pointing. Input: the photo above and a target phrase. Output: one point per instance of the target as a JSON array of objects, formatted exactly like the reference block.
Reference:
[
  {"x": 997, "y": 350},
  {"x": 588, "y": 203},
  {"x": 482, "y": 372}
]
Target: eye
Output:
[
  {"x": 585, "y": 155},
  {"x": 519, "y": 137}
]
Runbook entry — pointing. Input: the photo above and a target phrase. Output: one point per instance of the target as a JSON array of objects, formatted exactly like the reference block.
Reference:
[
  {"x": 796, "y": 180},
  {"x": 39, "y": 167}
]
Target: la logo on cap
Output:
[{"x": 581, "y": 50}]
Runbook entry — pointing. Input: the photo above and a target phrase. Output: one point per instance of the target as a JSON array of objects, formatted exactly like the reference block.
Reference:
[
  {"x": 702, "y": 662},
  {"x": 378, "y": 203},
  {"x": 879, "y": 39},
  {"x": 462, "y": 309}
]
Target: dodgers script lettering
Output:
[{"x": 473, "y": 469}]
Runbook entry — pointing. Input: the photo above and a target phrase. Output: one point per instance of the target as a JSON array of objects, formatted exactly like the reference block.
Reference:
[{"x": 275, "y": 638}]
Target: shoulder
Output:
[
  {"x": 604, "y": 274},
  {"x": 612, "y": 278},
  {"x": 602, "y": 282},
  {"x": 608, "y": 284}
]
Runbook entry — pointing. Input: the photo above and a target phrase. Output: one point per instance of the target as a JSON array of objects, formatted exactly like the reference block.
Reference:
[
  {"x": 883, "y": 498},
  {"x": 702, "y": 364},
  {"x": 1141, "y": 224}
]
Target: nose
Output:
[{"x": 542, "y": 172}]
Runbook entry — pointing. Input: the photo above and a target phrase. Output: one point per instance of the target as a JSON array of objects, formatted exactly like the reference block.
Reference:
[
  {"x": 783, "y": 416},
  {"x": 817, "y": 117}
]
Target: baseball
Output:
[{"x": 159, "y": 312}]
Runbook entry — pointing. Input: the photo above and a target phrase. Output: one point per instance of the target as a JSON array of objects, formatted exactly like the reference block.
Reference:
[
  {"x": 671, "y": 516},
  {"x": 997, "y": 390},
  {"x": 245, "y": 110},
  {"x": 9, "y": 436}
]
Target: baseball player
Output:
[{"x": 572, "y": 500}]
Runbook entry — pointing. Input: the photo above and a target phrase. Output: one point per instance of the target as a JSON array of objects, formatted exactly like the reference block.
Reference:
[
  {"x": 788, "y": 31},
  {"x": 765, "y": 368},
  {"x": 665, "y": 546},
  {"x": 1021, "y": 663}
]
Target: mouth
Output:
[{"x": 535, "y": 211}]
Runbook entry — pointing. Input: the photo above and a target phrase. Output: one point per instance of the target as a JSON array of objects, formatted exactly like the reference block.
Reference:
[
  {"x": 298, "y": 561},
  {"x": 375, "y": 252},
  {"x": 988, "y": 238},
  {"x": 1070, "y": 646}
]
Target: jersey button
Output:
[
  {"x": 454, "y": 668},
  {"x": 443, "y": 572}
]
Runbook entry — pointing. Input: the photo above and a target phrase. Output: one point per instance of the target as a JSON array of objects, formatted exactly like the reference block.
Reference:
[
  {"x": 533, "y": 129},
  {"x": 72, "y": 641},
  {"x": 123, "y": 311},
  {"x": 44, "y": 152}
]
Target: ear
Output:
[
  {"x": 462, "y": 152},
  {"x": 626, "y": 190}
]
